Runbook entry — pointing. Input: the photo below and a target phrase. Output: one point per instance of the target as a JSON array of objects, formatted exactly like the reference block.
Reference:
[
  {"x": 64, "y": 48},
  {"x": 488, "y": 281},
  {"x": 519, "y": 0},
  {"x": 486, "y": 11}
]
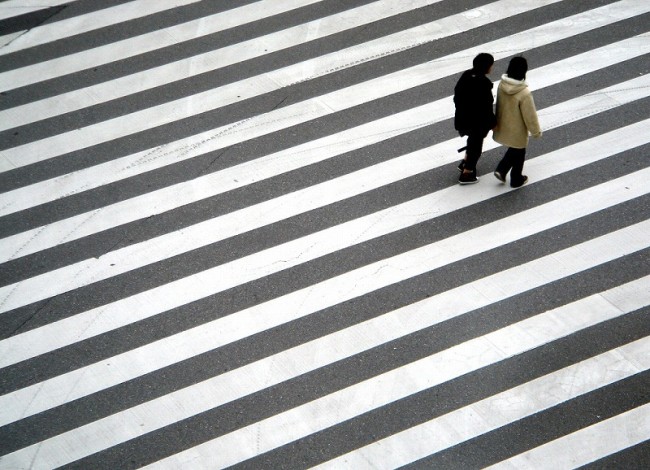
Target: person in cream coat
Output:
[{"x": 516, "y": 120}]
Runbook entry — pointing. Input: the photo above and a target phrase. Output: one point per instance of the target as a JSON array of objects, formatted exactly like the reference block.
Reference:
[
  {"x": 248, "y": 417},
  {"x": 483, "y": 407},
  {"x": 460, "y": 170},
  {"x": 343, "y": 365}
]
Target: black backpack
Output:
[{"x": 463, "y": 98}]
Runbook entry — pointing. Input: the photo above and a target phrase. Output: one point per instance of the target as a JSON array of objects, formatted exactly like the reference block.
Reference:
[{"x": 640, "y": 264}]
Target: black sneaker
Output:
[
  {"x": 500, "y": 176},
  {"x": 520, "y": 183},
  {"x": 461, "y": 166},
  {"x": 468, "y": 178}
]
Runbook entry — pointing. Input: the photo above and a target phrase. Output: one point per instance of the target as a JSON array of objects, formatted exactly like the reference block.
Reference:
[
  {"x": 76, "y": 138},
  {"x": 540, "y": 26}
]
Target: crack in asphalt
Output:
[{"x": 57, "y": 10}]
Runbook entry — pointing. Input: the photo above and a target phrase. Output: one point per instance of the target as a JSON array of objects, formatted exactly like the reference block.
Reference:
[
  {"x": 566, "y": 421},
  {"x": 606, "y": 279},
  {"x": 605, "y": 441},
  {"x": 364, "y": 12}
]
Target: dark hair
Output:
[
  {"x": 483, "y": 62},
  {"x": 517, "y": 68}
]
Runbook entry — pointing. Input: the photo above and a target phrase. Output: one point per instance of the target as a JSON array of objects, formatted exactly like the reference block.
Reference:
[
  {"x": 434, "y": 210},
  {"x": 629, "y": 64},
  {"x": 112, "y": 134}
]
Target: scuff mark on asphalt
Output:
[{"x": 28, "y": 22}]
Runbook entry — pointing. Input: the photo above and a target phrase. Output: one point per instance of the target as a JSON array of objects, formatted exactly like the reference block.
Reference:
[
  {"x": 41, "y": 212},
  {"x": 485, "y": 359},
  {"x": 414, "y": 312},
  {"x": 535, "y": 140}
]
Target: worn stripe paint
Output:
[
  {"x": 317, "y": 150},
  {"x": 517, "y": 403},
  {"x": 360, "y": 281},
  {"x": 211, "y": 231},
  {"x": 282, "y": 118},
  {"x": 150, "y": 41}
]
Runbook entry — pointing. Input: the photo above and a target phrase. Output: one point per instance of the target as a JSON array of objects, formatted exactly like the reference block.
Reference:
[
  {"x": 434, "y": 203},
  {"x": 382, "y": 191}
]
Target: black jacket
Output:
[{"x": 474, "y": 104}]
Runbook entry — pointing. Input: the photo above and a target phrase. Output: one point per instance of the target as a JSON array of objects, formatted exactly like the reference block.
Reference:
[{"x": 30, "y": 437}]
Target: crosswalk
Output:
[{"x": 231, "y": 235}]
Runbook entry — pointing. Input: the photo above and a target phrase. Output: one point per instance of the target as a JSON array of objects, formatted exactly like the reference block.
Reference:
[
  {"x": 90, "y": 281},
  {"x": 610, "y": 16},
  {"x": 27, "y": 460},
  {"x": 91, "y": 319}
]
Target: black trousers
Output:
[
  {"x": 474, "y": 149},
  {"x": 512, "y": 161}
]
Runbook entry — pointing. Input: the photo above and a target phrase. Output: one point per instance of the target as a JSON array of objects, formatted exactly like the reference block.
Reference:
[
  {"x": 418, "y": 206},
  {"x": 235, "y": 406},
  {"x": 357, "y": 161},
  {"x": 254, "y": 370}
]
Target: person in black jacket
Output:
[{"x": 474, "y": 116}]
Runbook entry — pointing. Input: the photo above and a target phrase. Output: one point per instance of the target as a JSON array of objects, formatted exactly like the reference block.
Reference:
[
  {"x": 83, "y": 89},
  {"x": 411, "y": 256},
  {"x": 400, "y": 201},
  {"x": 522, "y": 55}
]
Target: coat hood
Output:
[{"x": 511, "y": 86}]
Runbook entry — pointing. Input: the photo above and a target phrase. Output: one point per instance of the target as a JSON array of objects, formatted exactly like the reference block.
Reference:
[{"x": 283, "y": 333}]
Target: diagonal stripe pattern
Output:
[{"x": 231, "y": 235}]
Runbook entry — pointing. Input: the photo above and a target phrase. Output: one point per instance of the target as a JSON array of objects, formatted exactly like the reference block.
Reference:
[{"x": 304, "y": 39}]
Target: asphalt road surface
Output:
[{"x": 232, "y": 234}]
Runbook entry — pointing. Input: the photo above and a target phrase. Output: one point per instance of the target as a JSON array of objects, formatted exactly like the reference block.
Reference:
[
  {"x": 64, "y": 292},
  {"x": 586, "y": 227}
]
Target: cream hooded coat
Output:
[{"x": 516, "y": 114}]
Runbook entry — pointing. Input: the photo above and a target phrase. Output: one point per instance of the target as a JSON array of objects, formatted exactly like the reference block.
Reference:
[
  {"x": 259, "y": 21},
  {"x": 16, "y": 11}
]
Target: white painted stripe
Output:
[
  {"x": 130, "y": 84},
  {"x": 89, "y": 22},
  {"x": 308, "y": 153},
  {"x": 78, "y": 99},
  {"x": 587, "y": 445},
  {"x": 56, "y": 335},
  {"x": 202, "y": 234},
  {"x": 517, "y": 403},
  {"x": 354, "y": 400},
  {"x": 273, "y": 121},
  {"x": 188, "y": 148},
  {"x": 150, "y": 41},
  {"x": 68, "y": 331},
  {"x": 165, "y": 246},
  {"x": 50, "y": 337},
  {"x": 426, "y": 373},
  {"x": 156, "y": 202},
  {"x": 11, "y": 8},
  {"x": 81, "y": 382},
  {"x": 203, "y": 62},
  {"x": 353, "y": 340}
]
